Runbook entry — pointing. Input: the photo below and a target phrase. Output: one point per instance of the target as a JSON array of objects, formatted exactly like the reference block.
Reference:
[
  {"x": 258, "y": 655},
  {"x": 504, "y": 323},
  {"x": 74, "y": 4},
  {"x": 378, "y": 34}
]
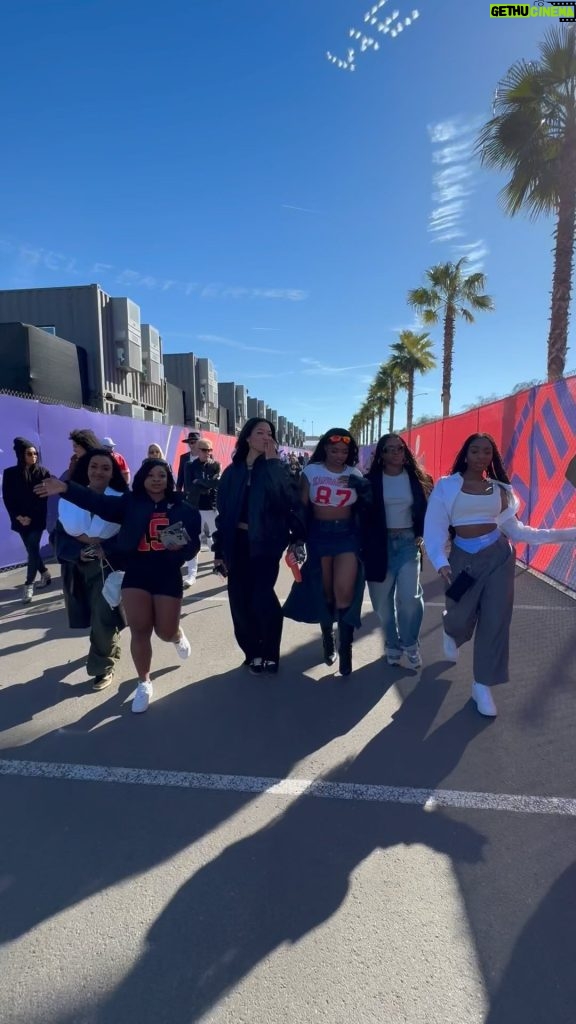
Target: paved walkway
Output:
[{"x": 299, "y": 849}]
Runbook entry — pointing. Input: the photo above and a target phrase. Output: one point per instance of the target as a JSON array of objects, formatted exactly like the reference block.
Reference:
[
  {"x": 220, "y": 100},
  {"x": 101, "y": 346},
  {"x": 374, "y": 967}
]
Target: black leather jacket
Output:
[{"x": 275, "y": 512}]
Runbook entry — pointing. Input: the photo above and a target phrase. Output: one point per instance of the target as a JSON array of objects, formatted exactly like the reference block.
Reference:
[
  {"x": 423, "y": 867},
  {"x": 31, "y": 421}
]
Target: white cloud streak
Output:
[
  {"x": 217, "y": 339},
  {"x": 315, "y": 368}
]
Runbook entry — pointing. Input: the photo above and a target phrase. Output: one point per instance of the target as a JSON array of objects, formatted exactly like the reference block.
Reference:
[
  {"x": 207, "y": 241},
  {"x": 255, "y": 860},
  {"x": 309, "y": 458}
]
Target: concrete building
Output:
[
  {"x": 252, "y": 406},
  {"x": 124, "y": 358},
  {"x": 227, "y": 401},
  {"x": 196, "y": 377},
  {"x": 241, "y": 406}
]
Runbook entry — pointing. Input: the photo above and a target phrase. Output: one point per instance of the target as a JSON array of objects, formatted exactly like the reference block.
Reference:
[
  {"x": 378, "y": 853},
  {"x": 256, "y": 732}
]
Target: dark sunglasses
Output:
[
  {"x": 207, "y": 450},
  {"x": 335, "y": 438}
]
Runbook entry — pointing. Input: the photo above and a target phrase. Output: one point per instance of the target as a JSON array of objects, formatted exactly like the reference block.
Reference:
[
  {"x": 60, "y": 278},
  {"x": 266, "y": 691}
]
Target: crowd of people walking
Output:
[{"x": 123, "y": 550}]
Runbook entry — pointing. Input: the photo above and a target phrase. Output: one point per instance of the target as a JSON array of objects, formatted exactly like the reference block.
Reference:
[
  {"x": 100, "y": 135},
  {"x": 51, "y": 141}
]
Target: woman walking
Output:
[
  {"x": 332, "y": 491},
  {"x": 472, "y": 515},
  {"x": 84, "y": 543},
  {"x": 26, "y": 510},
  {"x": 152, "y": 585},
  {"x": 392, "y": 530},
  {"x": 258, "y": 516}
]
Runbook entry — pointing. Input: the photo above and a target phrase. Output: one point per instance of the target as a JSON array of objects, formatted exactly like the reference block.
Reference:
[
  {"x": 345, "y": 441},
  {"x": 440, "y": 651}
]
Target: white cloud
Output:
[
  {"x": 316, "y": 368},
  {"x": 217, "y": 339},
  {"x": 453, "y": 183}
]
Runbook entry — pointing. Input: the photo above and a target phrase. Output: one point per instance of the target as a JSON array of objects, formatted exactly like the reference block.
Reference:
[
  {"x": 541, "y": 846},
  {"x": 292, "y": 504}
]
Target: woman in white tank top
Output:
[{"x": 470, "y": 521}]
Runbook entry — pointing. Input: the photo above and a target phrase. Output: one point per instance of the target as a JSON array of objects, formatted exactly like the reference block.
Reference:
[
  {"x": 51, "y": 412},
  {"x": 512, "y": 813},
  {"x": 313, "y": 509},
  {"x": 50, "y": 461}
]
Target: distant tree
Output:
[
  {"x": 448, "y": 295},
  {"x": 412, "y": 354}
]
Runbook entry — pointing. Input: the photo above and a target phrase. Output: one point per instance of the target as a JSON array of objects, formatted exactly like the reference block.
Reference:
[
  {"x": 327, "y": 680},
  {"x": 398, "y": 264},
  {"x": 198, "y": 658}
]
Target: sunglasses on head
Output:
[{"x": 335, "y": 438}]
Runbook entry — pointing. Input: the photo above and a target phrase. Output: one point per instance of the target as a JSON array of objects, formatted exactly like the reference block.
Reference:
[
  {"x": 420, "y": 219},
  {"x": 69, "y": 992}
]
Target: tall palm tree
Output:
[
  {"x": 388, "y": 380},
  {"x": 412, "y": 354},
  {"x": 533, "y": 135},
  {"x": 449, "y": 294},
  {"x": 378, "y": 399}
]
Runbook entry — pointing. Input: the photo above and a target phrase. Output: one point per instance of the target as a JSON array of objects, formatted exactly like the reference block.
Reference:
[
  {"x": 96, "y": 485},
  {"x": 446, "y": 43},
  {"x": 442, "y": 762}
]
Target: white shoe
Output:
[
  {"x": 484, "y": 700},
  {"x": 27, "y": 593},
  {"x": 414, "y": 656},
  {"x": 393, "y": 657},
  {"x": 450, "y": 648},
  {"x": 182, "y": 645},
  {"x": 142, "y": 698},
  {"x": 188, "y": 581}
]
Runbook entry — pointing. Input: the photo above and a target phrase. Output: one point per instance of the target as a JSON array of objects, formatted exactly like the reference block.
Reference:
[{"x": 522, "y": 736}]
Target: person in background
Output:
[
  {"x": 26, "y": 510},
  {"x": 110, "y": 446},
  {"x": 200, "y": 483},
  {"x": 84, "y": 543},
  {"x": 392, "y": 530},
  {"x": 155, "y": 452},
  {"x": 333, "y": 491},
  {"x": 83, "y": 441},
  {"x": 258, "y": 516},
  {"x": 186, "y": 460},
  {"x": 152, "y": 584},
  {"x": 470, "y": 521}
]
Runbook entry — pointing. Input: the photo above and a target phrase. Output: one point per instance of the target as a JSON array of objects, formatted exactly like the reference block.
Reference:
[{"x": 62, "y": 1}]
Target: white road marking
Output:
[{"x": 428, "y": 799}]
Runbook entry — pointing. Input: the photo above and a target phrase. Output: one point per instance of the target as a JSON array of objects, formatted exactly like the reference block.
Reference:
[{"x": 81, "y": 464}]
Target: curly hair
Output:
[
  {"x": 411, "y": 464},
  {"x": 149, "y": 464},
  {"x": 319, "y": 453},
  {"x": 79, "y": 474},
  {"x": 242, "y": 446},
  {"x": 495, "y": 469},
  {"x": 85, "y": 438}
]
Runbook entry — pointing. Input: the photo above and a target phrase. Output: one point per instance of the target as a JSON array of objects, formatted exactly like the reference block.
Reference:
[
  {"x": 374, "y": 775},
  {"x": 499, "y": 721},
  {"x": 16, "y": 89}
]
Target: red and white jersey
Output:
[{"x": 328, "y": 488}]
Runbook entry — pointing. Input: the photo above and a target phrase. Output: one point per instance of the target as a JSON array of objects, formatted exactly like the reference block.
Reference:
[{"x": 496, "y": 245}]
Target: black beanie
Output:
[{"x": 21, "y": 444}]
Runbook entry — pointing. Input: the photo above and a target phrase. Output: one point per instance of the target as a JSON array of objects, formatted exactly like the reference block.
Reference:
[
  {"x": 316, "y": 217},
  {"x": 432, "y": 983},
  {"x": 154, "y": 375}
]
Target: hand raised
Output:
[{"x": 48, "y": 488}]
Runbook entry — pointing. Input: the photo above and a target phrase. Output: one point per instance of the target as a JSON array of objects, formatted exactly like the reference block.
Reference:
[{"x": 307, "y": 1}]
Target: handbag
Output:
[
  {"x": 112, "y": 589},
  {"x": 460, "y": 586}
]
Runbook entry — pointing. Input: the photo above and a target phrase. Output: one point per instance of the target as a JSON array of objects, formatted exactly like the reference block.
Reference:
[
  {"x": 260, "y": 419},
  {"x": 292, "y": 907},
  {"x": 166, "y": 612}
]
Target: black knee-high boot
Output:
[
  {"x": 345, "y": 640},
  {"x": 328, "y": 636}
]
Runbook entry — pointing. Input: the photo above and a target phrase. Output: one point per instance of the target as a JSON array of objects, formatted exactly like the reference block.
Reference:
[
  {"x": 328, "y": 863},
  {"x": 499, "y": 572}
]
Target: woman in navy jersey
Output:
[
  {"x": 333, "y": 489},
  {"x": 152, "y": 585}
]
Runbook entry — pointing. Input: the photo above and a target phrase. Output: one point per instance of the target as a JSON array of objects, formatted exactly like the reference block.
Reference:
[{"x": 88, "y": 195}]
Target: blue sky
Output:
[{"x": 264, "y": 207}]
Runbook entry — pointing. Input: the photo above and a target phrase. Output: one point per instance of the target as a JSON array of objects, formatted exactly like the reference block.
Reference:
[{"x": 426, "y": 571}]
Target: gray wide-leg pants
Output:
[{"x": 485, "y": 608}]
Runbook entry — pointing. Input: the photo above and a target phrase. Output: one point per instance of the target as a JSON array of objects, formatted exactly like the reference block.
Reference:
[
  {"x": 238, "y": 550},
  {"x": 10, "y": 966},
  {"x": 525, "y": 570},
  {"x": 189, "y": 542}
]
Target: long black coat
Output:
[
  {"x": 374, "y": 530},
  {"x": 19, "y": 498}
]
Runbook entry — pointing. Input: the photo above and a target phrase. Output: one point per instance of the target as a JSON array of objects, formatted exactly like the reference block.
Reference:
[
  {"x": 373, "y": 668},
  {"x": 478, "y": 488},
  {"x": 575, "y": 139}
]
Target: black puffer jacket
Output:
[{"x": 275, "y": 513}]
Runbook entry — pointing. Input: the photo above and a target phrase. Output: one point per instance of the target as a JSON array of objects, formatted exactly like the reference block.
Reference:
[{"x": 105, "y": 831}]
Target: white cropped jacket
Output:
[{"x": 439, "y": 519}]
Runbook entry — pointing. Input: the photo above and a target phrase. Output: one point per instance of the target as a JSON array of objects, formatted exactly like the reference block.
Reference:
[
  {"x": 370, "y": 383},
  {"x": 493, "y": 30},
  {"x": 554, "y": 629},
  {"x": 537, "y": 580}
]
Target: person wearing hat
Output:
[
  {"x": 185, "y": 460},
  {"x": 110, "y": 446},
  {"x": 26, "y": 510}
]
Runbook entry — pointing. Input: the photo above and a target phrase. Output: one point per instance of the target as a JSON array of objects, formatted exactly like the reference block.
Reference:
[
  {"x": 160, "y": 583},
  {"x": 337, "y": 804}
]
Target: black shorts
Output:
[{"x": 158, "y": 577}]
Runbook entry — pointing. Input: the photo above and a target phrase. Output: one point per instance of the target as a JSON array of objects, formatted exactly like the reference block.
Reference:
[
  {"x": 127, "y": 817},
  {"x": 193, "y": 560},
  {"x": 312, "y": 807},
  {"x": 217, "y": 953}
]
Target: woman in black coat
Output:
[
  {"x": 259, "y": 514},
  {"x": 392, "y": 530},
  {"x": 26, "y": 510},
  {"x": 152, "y": 584}
]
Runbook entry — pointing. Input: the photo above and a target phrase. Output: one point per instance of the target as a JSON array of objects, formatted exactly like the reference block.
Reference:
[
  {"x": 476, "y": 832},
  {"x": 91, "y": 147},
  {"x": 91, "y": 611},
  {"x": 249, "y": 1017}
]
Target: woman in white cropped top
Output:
[{"x": 470, "y": 521}]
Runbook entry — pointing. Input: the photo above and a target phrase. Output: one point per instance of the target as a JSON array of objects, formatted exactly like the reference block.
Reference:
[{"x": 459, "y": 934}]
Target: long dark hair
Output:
[
  {"x": 319, "y": 453},
  {"x": 144, "y": 471},
  {"x": 80, "y": 476},
  {"x": 495, "y": 469},
  {"x": 411, "y": 464},
  {"x": 30, "y": 473},
  {"x": 85, "y": 438},
  {"x": 242, "y": 446}
]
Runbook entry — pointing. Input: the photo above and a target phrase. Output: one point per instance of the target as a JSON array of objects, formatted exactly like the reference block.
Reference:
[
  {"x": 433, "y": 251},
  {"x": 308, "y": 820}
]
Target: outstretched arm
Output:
[{"x": 108, "y": 507}]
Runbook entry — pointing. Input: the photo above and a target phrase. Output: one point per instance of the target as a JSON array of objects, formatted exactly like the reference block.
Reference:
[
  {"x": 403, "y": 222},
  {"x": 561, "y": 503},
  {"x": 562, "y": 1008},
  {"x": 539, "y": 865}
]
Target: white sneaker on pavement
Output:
[
  {"x": 27, "y": 593},
  {"x": 450, "y": 648},
  {"x": 484, "y": 700},
  {"x": 393, "y": 656},
  {"x": 142, "y": 698},
  {"x": 182, "y": 645},
  {"x": 188, "y": 581},
  {"x": 414, "y": 657}
]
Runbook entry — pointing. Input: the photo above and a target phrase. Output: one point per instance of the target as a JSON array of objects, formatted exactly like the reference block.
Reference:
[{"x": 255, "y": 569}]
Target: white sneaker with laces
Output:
[
  {"x": 182, "y": 645},
  {"x": 484, "y": 700},
  {"x": 142, "y": 697},
  {"x": 188, "y": 581},
  {"x": 27, "y": 593},
  {"x": 450, "y": 648},
  {"x": 393, "y": 657}
]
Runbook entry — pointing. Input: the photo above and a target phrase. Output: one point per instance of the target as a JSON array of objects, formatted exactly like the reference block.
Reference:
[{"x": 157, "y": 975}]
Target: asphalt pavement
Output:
[{"x": 299, "y": 848}]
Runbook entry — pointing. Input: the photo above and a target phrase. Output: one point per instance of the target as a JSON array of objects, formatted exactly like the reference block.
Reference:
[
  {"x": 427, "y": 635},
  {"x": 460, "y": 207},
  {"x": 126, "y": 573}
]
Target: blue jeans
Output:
[{"x": 398, "y": 601}]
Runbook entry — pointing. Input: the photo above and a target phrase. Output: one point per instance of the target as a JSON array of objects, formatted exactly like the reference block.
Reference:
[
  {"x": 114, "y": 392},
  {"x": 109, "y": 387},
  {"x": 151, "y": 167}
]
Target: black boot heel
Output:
[
  {"x": 345, "y": 639},
  {"x": 329, "y": 645}
]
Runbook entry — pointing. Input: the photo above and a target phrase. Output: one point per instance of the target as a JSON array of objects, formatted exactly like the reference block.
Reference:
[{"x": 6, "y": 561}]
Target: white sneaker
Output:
[
  {"x": 482, "y": 695},
  {"x": 182, "y": 645},
  {"x": 414, "y": 656},
  {"x": 188, "y": 581},
  {"x": 450, "y": 648},
  {"x": 27, "y": 593},
  {"x": 142, "y": 698},
  {"x": 393, "y": 657}
]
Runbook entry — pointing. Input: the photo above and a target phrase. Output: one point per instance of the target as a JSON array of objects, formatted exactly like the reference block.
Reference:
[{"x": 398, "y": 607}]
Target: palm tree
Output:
[
  {"x": 388, "y": 380},
  {"x": 412, "y": 354},
  {"x": 449, "y": 294},
  {"x": 378, "y": 399},
  {"x": 533, "y": 135}
]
